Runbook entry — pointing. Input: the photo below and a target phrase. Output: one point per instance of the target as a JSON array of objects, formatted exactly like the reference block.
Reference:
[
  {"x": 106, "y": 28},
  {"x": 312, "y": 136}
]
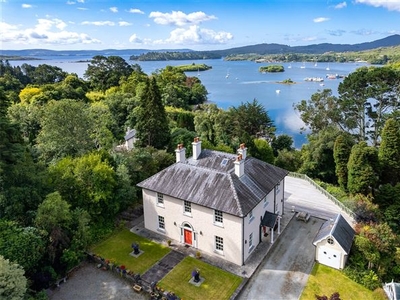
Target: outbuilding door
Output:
[{"x": 329, "y": 257}]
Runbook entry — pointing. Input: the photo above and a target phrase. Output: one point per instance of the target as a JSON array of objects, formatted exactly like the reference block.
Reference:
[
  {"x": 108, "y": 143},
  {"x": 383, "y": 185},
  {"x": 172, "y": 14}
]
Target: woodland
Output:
[{"x": 64, "y": 181}]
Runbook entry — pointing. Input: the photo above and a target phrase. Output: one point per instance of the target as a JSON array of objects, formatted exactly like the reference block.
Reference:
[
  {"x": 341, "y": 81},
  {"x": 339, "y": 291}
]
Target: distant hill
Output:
[{"x": 262, "y": 49}]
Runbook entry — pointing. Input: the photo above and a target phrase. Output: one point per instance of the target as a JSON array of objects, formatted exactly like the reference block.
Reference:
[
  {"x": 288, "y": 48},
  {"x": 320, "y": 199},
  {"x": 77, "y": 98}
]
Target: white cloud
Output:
[
  {"x": 136, "y": 11},
  {"x": 71, "y": 2},
  {"x": 26, "y": 5},
  {"x": 179, "y": 18},
  {"x": 135, "y": 39},
  {"x": 389, "y": 4},
  {"x": 81, "y": 1},
  {"x": 46, "y": 32},
  {"x": 196, "y": 35},
  {"x": 123, "y": 23},
  {"x": 341, "y": 5},
  {"x": 99, "y": 23},
  {"x": 320, "y": 20},
  {"x": 82, "y": 8},
  {"x": 114, "y": 9}
]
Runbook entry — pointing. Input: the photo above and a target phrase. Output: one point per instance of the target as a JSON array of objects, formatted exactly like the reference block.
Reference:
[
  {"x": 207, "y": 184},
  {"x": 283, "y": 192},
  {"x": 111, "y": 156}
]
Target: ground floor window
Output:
[
  {"x": 161, "y": 222},
  {"x": 219, "y": 244}
]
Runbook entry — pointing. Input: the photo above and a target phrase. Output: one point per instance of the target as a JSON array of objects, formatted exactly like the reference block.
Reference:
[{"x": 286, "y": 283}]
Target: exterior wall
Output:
[
  {"x": 129, "y": 144},
  {"x": 200, "y": 222},
  {"x": 335, "y": 247}
]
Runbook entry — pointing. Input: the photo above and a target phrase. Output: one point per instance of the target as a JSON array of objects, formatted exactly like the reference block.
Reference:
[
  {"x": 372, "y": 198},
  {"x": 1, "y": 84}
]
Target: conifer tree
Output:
[
  {"x": 389, "y": 152},
  {"x": 152, "y": 125},
  {"x": 341, "y": 153}
]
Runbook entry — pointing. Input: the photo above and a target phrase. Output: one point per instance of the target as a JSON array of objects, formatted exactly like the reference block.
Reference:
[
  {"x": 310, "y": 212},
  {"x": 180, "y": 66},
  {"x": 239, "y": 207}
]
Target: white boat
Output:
[
  {"x": 327, "y": 68},
  {"x": 227, "y": 74},
  {"x": 278, "y": 91},
  {"x": 290, "y": 66},
  {"x": 303, "y": 66}
]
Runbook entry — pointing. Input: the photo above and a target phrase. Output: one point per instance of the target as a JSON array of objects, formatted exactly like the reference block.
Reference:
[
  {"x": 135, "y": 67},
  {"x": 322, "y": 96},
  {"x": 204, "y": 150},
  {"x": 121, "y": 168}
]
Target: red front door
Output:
[{"x": 188, "y": 236}]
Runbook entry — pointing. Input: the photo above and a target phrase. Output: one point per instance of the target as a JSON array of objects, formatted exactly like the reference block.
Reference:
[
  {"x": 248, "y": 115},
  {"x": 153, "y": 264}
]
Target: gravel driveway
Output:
[
  {"x": 284, "y": 272},
  {"x": 90, "y": 283}
]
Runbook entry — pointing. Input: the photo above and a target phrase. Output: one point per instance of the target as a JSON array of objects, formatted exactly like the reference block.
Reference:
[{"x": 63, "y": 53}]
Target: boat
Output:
[
  {"x": 315, "y": 79},
  {"x": 327, "y": 68},
  {"x": 290, "y": 66},
  {"x": 332, "y": 76},
  {"x": 303, "y": 66},
  {"x": 278, "y": 91},
  {"x": 227, "y": 74}
]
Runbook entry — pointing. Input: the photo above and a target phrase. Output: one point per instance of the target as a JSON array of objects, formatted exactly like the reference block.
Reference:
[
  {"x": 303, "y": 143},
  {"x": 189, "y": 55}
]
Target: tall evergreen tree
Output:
[
  {"x": 389, "y": 152},
  {"x": 362, "y": 168},
  {"x": 152, "y": 125},
  {"x": 341, "y": 154}
]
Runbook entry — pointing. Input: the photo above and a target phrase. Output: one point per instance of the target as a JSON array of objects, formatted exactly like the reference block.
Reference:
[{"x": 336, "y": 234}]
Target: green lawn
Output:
[
  {"x": 117, "y": 248},
  {"x": 326, "y": 281},
  {"x": 218, "y": 284}
]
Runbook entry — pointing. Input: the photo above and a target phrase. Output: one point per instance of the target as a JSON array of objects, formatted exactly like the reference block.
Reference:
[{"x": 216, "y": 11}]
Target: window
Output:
[
  {"x": 218, "y": 217},
  {"x": 250, "y": 242},
  {"x": 161, "y": 223},
  {"x": 160, "y": 199},
  {"x": 188, "y": 208},
  {"x": 277, "y": 188},
  {"x": 224, "y": 162},
  {"x": 330, "y": 241},
  {"x": 219, "y": 244},
  {"x": 251, "y": 216},
  {"x": 265, "y": 202}
]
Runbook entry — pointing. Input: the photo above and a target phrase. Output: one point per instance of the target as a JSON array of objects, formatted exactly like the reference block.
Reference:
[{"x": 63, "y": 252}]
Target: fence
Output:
[{"x": 324, "y": 192}]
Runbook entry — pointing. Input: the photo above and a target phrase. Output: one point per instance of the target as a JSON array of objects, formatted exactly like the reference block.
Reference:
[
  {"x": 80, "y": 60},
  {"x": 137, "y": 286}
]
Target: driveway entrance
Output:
[{"x": 284, "y": 271}]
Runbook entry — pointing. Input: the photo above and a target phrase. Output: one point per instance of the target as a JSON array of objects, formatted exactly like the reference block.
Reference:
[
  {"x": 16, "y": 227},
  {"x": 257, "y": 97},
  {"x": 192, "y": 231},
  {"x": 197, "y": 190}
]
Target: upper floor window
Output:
[
  {"x": 251, "y": 216},
  {"x": 265, "y": 202},
  {"x": 187, "y": 207},
  {"x": 218, "y": 217},
  {"x": 160, "y": 199},
  {"x": 277, "y": 188}
]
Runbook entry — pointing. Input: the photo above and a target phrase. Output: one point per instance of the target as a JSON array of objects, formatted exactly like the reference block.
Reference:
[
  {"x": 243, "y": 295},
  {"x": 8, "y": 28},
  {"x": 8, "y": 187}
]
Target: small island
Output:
[
  {"x": 287, "y": 81},
  {"x": 194, "y": 67},
  {"x": 272, "y": 69}
]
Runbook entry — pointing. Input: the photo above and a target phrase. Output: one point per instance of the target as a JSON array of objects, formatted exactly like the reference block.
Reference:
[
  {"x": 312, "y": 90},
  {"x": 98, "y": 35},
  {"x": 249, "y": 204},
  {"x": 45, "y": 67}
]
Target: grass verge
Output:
[
  {"x": 218, "y": 284},
  {"x": 118, "y": 247},
  {"x": 326, "y": 281}
]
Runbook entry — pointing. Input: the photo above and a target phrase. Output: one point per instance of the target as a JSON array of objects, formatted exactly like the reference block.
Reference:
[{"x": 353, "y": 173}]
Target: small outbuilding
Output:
[{"x": 333, "y": 242}]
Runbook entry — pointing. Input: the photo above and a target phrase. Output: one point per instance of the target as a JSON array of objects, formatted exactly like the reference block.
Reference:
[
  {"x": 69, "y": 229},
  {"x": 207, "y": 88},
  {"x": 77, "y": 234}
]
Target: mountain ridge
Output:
[{"x": 264, "y": 48}]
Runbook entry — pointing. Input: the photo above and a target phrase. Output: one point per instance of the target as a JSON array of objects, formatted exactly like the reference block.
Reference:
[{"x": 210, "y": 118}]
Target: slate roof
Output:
[
  {"x": 269, "y": 219},
  {"x": 340, "y": 230},
  {"x": 130, "y": 134},
  {"x": 211, "y": 181}
]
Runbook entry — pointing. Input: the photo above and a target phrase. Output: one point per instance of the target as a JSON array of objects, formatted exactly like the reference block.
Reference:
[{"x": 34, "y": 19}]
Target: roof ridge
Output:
[{"x": 335, "y": 224}]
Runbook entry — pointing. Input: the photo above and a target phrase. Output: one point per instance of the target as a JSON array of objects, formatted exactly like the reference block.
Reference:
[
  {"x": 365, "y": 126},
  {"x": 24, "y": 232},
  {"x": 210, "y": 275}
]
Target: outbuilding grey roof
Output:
[
  {"x": 130, "y": 134},
  {"x": 392, "y": 290},
  {"x": 338, "y": 229},
  {"x": 211, "y": 182}
]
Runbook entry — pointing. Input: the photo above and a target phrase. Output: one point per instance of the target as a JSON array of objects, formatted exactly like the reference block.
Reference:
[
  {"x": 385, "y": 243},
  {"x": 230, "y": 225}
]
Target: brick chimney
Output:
[
  {"x": 239, "y": 166},
  {"x": 242, "y": 150},
  {"x": 180, "y": 153},
  {"x": 196, "y": 148}
]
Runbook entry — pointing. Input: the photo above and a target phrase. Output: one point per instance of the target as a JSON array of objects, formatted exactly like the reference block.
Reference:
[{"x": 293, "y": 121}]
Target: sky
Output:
[{"x": 192, "y": 24}]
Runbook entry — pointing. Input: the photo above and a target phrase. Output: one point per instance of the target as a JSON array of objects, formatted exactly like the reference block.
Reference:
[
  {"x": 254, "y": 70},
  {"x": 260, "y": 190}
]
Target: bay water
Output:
[{"x": 231, "y": 83}]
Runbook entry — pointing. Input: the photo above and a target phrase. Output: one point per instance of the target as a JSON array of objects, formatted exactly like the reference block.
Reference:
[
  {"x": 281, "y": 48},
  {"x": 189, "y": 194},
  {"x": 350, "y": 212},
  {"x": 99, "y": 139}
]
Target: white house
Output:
[
  {"x": 333, "y": 242},
  {"x": 219, "y": 203}
]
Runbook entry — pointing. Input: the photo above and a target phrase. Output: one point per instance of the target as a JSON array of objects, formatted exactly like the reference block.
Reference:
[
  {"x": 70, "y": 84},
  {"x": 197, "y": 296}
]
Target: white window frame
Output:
[
  {"x": 160, "y": 200},
  {"x": 161, "y": 223},
  {"x": 251, "y": 246},
  {"x": 187, "y": 208},
  {"x": 265, "y": 202},
  {"x": 278, "y": 188},
  {"x": 218, "y": 218},
  {"x": 219, "y": 245},
  {"x": 251, "y": 216}
]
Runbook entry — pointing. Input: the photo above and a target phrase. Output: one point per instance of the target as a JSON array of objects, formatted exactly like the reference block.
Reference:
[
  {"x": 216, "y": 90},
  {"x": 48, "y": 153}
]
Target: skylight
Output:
[{"x": 224, "y": 162}]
